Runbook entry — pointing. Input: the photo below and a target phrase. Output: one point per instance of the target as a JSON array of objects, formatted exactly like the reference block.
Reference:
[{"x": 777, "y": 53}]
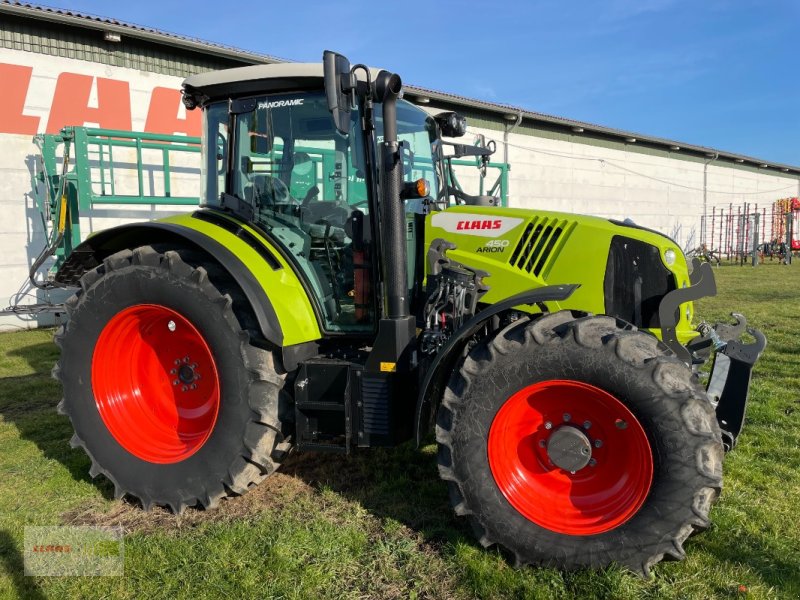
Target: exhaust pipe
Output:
[{"x": 393, "y": 234}]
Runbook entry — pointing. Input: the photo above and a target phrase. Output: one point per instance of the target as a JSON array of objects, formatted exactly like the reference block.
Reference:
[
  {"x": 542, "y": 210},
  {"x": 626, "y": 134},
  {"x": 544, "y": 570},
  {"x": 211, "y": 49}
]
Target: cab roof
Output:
[{"x": 281, "y": 77}]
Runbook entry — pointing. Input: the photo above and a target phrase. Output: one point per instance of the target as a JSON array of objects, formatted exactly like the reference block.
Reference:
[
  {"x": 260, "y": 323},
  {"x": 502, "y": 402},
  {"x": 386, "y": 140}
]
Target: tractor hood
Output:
[{"x": 523, "y": 249}]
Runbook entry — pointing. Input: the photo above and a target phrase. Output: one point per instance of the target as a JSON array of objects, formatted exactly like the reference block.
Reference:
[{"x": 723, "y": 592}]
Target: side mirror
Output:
[{"x": 339, "y": 88}]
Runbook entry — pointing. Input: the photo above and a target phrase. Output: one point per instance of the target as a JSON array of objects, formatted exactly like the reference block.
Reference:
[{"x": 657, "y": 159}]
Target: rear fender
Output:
[{"x": 264, "y": 278}]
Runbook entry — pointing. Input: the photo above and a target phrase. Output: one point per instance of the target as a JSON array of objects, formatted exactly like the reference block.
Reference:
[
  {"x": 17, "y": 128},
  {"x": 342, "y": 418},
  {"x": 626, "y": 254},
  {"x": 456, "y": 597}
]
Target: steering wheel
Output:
[{"x": 274, "y": 191}]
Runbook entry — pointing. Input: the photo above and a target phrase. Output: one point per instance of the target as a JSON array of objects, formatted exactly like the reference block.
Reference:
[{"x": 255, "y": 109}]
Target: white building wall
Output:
[
  {"x": 655, "y": 191},
  {"x": 662, "y": 193},
  {"x": 22, "y": 235}
]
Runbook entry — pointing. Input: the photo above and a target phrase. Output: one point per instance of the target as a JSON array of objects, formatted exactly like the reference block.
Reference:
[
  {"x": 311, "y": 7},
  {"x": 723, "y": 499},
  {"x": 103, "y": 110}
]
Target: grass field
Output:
[{"x": 378, "y": 525}]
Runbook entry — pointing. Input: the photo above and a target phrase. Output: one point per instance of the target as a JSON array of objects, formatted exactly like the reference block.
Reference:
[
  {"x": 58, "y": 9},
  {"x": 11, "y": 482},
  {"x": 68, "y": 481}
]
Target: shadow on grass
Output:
[
  {"x": 26, "y": 587},
  {"x": 40, "y": 357},
  {"x": 401, "y": 484},
  {"x": 29, "y": 403}
]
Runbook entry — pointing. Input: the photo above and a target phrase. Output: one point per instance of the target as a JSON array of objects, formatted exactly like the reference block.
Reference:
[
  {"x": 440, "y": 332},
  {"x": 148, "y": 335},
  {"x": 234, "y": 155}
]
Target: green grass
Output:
[{"x": 378, "y": 525}]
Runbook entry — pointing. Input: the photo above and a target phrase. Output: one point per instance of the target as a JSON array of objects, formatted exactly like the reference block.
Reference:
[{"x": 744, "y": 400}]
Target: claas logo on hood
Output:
[{"x": 484, "y": 224}]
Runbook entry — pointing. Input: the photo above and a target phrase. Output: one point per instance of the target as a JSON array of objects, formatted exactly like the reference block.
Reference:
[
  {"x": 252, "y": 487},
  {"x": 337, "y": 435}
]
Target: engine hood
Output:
[{"x": 525, "y": 248}]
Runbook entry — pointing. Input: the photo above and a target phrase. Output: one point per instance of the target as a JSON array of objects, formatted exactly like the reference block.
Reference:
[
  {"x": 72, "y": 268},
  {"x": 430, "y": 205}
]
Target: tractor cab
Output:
[{"x": 277, "y": 161}]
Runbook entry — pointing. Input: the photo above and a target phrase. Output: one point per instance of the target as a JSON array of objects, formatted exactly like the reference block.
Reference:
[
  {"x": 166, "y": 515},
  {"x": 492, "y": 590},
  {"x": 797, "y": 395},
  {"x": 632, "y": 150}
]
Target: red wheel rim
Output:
[
  {"x": 594, "y": 499},
  {"x": 155, "y": 383}
]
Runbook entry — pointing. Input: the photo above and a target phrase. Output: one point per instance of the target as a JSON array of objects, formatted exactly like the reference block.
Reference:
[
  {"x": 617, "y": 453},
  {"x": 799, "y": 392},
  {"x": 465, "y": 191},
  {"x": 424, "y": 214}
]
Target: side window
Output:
[
  {"x": 221, "y": 149},
  {"x": 215, "y": 145}
]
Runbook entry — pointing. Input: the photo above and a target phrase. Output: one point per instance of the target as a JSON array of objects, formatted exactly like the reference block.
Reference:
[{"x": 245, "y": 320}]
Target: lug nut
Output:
[
  {"x": 548, "y": 425},
  {"x": 542, "y": 443},
  {"x": 186, "y": 359},
  {"x": 193, "y": 365},
  {"x": 587, "y": 424},
  {"x": 567, "y": 416},
  {"x": 598, "y": 443},
  {"x": 592, "y": 462},
  {"x": 175, "y": 382},
  {"x": 184, "y": 388},
  {"x": 193, "y": 386},
  {"x": 177, "y": 361}
]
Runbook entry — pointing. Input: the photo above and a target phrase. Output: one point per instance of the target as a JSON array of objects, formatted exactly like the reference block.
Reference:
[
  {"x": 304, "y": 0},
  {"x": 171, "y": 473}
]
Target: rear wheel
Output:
[
  {"x": 579, "y": 442},
  {"x": 167, "y": 394}
]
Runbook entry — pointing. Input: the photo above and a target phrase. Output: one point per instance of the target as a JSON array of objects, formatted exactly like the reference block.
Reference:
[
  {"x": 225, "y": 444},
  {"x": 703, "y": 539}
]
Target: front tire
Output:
[
  {"x": 579, "y": 442},
  {"x": 166, "y": 393}
]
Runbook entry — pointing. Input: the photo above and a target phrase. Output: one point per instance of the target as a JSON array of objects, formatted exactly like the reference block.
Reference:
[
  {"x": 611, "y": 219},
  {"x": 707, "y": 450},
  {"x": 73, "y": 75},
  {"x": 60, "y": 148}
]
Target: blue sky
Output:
[{"x": 720, "y": 73}]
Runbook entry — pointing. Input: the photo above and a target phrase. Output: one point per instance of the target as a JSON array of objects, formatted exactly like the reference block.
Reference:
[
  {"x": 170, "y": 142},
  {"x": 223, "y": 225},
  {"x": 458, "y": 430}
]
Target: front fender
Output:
[{"x": 442, "y": 366}]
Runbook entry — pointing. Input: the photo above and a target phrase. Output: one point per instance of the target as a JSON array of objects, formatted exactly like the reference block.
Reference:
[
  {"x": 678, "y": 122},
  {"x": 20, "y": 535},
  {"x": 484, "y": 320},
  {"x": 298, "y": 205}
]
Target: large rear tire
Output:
[
  {"x": 166, "y": 393},
  {"x": 579, "y": 442}
]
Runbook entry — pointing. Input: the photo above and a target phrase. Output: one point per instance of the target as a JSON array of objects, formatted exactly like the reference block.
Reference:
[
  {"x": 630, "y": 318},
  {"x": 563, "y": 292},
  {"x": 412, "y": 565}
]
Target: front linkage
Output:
[{"x": 729, "y": 381}]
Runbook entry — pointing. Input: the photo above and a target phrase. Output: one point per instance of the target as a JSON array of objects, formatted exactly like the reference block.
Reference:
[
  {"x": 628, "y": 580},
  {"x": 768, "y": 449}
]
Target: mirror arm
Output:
[{"x": 461, "y": 150}]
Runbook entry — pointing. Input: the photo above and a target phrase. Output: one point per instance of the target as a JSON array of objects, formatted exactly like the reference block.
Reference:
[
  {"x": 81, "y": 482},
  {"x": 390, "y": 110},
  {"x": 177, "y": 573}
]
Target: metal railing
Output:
[
  {"x": 94, "y": 162},
  {"x": 87, "y": 176}
]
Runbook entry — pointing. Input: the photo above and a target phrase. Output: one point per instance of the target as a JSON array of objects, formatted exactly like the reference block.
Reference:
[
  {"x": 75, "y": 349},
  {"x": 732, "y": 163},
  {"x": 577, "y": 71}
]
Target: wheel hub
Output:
[
  {"x": 186, "y": 374},
  {"x": 569, "y": 448}
]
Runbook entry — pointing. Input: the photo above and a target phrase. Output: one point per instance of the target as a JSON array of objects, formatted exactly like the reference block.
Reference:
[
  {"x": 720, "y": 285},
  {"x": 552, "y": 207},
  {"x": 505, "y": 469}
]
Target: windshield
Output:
[{"x": 417, "y": 131}]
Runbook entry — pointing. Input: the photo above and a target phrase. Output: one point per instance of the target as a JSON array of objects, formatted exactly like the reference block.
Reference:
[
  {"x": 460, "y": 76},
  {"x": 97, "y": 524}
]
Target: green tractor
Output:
[{"x": 334, "y": 291}]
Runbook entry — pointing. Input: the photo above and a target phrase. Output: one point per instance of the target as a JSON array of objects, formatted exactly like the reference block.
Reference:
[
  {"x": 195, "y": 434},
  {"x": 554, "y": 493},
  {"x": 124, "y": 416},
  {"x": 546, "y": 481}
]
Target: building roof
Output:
[
  {"x": 508, "y": 113},
  {"x": 79, "y": 19}
]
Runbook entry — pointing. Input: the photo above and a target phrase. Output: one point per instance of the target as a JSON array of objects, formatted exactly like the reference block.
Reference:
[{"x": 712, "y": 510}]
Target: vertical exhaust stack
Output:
[
  {"x": 393, "y": 350},
  {"x": 393, "y": 234}
]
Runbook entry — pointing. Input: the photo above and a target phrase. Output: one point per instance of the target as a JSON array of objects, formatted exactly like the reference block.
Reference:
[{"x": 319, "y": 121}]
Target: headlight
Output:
[{"x": 669, "y": 257}]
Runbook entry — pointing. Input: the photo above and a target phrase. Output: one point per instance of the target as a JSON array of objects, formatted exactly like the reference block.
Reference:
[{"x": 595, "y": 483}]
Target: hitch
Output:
[{"x": 729, "y": 382}]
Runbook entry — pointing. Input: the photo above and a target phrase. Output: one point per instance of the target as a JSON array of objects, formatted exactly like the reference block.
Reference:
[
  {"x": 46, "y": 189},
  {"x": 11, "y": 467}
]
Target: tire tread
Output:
[
  {"x": 263, "y": 445},
  {"x": 631, "y": 347}
]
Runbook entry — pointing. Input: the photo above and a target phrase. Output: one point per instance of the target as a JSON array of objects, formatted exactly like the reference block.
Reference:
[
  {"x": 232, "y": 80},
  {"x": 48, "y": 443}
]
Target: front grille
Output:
[
  {"x": 635, "y": 282},
  {"x": 539, "y": 244}
]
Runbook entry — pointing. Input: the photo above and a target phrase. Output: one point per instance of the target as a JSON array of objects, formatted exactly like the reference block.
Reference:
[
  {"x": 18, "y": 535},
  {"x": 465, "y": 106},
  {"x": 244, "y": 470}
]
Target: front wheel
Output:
[
  {"x": 166, "y": 393},
  {"x": 579, "y": 442}
]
